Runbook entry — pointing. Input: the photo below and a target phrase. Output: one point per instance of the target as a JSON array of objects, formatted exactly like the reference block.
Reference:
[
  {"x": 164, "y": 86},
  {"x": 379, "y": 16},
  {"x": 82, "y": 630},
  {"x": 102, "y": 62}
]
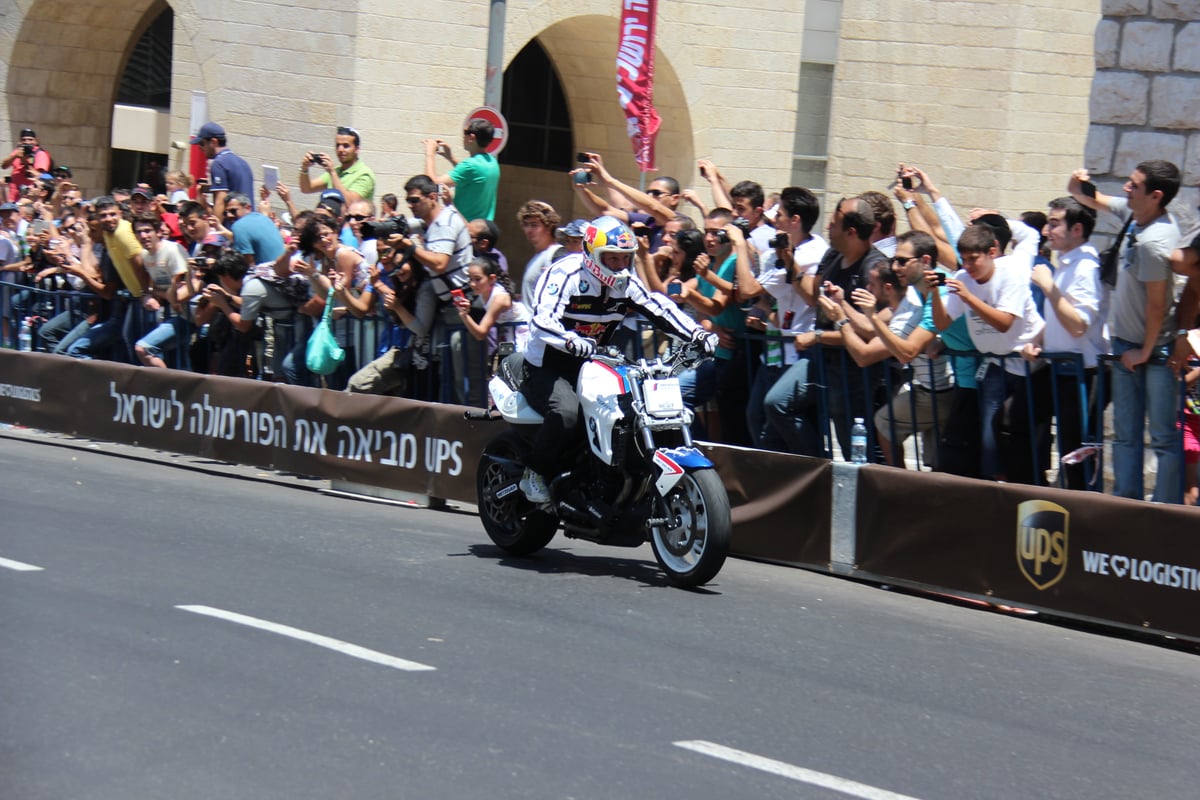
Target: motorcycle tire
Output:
[
  {"x": 514, "y": 524},
  {"x": 692, "y": 553}
]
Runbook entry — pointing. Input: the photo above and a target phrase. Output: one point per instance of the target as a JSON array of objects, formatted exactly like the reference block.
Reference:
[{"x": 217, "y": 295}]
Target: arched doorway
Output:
[
  {"x": 580, "y": 54},
  {"x": 66, "y": 65},
  {"x": 142, "y": 111}
]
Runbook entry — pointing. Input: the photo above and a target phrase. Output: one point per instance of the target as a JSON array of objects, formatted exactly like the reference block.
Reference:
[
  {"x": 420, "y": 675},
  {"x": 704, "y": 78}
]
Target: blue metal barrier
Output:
[{"x": 460, "y": 367}]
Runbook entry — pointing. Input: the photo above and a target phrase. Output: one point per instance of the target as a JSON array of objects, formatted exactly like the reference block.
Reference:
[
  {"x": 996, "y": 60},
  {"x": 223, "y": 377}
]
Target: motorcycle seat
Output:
[{"x": 512, "y": 371}]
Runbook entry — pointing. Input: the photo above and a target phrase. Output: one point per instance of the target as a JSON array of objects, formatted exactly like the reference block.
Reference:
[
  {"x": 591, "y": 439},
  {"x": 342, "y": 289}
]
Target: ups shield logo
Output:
[{"x": 1042, "y": 542}]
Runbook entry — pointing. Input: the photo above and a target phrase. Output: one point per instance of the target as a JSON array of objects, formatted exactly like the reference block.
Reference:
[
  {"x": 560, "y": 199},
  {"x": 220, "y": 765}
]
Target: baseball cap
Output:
[
  {"x": 142, "y": 193},
  {"x": 27, "y": 132},
  {"x": 332, "y": 200},
  {"x": 574, "y": 228},
  {"x": 209, "y": 130},
  {"x": 9, "y": 207}
]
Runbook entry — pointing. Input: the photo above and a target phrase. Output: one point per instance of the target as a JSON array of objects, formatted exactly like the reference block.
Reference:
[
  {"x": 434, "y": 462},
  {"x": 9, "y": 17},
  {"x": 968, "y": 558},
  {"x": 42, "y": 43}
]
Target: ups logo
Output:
[{"x": 1042, "y": 542}]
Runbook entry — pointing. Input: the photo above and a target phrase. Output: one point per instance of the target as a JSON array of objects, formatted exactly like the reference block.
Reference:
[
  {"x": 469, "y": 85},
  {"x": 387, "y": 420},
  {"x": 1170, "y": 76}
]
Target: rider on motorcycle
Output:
[{"x": 581, "y": 300}]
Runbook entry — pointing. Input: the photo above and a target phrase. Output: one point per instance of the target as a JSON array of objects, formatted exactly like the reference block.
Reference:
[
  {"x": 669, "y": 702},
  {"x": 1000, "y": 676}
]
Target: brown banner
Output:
[
  {"x": 782, "y": 504},
  {"x": 382, "y": 441},
  {"x": 423, "y": 448},
  {"x": 1081, "y": 553}
]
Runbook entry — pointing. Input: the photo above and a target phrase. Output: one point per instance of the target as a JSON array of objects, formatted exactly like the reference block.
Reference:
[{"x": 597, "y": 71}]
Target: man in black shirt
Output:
[{"x": 846, "y": 267}]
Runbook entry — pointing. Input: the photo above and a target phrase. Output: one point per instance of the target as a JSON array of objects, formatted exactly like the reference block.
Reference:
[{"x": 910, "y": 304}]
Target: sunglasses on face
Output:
[{"x": 358, "y": 217}]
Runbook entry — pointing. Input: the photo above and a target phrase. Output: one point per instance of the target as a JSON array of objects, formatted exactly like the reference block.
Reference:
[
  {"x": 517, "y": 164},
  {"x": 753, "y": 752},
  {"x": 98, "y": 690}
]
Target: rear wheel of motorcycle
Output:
[
  {"x": 512, "y": 522},
  {"x": 692, "y": 553}
]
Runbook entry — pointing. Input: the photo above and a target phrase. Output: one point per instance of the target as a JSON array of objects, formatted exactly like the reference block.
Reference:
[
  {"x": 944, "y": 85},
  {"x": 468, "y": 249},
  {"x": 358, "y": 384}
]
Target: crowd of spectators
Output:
[{"x": 991, "y": 343}]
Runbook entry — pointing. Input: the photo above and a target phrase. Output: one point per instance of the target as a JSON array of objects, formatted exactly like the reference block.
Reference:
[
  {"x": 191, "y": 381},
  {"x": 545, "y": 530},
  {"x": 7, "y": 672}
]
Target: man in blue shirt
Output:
[
  {"x": 255, "y": 236},
  {"x": 228, "y": 173}
]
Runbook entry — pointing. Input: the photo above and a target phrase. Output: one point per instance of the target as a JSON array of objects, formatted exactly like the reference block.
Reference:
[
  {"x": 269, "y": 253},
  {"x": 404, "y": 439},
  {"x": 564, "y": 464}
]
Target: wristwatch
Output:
[{"x": 841, "y": 323}]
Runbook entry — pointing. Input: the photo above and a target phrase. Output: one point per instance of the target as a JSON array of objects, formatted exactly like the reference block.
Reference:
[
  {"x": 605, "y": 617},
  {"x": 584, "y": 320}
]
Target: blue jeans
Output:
[
  {"x": 165, "y": 337},
  {"x": 791, "y": 406},
  {"x": 1152, "y": 390},
  {"x": 295, "y": 371},
  {"x": 762, "y": 435},
  {"x": 98, "y": 340},
  {"x": 994, "y": 389},
  {"x": 698, "y": 386},
  {"x": 55, "y": 331}
]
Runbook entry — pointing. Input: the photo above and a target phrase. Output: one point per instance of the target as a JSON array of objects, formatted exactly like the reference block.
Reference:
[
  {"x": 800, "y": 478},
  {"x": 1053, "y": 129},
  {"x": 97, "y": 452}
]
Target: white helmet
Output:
[{"x": 606, "y": 235}]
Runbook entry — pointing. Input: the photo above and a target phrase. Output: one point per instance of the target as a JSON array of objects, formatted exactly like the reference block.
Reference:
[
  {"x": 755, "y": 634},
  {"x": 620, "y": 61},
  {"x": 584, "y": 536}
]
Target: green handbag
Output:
[{"x": 323, "y": 354}]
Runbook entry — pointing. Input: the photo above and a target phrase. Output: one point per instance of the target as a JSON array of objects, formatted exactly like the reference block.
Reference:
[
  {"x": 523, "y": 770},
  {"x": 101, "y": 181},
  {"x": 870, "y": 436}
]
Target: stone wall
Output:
[
  {"x": 989, "y": 98},
  {"x": 993, "y": 98},
  {"x": 1145, "y": 100}
]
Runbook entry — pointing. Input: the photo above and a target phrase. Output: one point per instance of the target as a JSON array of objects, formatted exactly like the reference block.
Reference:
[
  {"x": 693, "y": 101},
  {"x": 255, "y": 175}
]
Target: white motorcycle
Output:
[{"x": 638, "y": 478}]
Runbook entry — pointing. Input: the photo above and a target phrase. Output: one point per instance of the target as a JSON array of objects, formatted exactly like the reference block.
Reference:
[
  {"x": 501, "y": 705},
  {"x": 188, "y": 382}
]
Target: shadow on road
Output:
[{"x": 558, "y": 561}]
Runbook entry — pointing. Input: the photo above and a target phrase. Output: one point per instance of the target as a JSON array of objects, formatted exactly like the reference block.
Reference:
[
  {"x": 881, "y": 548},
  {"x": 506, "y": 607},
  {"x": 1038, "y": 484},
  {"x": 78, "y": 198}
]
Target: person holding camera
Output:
[
  {"x": 444, "y": 251},
  {"x": 475, "y": 178},
  {"x": 1147, "y": 334},
  {"x": 230, "y": 340},
  {"x": 28, "y": 162},
  {"x": 774, "y": 411},
  {"x": 714, "y": 292},
  {"x": 406, "y": 297},
  {"x": 349, "y": 175},
  {"x": 653, "y": 208},
  {"x": 847, "y": 264}
]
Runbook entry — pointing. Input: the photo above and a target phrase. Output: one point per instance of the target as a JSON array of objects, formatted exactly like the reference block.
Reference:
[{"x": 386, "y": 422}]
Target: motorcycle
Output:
[{"x": 639, "y": 478}]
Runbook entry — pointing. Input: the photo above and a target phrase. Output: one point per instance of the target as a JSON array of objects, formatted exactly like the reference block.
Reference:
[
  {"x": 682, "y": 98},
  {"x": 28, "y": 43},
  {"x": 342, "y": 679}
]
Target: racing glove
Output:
[
  {"x": 579, "y": 346},
  {"x": 708, "y": 341}
]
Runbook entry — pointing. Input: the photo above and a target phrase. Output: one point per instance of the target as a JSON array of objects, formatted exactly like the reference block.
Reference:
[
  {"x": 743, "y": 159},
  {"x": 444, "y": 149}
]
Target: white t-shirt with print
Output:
[{"x": 1007, "y": 291}]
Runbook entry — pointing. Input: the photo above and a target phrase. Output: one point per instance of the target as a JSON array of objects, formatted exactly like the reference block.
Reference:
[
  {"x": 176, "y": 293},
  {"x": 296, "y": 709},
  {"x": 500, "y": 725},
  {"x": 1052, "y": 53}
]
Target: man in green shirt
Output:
[
  {"x": 352, "y": 177},
  {"x": 476, "y": 177}
]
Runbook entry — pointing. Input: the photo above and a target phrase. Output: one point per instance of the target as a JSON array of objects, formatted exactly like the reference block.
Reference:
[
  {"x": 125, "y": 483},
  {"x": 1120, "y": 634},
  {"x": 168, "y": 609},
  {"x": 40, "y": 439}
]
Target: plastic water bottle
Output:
[
  {"x": 858, "y": 442},
  {"x": 25, "y": 336}
]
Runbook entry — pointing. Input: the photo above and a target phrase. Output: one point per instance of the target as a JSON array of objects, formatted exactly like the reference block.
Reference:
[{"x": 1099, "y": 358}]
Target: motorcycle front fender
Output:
[{"x": 673, "y": 462}]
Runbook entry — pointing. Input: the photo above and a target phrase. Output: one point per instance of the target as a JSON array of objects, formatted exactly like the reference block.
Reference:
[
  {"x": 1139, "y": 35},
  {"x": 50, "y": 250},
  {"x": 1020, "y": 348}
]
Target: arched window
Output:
[
  {"x": 143, "y": 107},
  {"x": 147, "y": 77},
  {"x": 539, "y": 122}
]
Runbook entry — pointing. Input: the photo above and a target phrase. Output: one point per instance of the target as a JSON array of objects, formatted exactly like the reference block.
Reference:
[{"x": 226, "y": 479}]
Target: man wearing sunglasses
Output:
[
  {"x": 475, "y": 178},
  {"x": 349, "y": 175}
]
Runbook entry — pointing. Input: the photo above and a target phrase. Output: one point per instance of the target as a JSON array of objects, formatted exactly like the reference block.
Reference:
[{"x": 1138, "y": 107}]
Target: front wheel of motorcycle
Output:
[
  {"x": 511, "y": 521},
  {"x": 693, "y": 551}
]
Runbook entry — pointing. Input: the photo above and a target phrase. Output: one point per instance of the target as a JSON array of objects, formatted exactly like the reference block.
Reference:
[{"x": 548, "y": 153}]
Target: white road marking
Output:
[
  {"x": 312, "y": 638},
  {"x": 852, "y": 788},
  {"x": 19, "y": 566}
]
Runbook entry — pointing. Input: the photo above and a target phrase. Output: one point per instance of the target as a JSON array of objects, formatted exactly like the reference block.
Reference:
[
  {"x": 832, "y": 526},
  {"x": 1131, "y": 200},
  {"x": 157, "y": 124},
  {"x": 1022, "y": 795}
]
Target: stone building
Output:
[
  {"x": 1145, "y": 100},
  {"x": 992, "y": 98}
]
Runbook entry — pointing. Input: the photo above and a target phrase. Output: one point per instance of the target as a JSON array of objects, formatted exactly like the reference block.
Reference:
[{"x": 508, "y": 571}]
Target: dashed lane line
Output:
[
  {"x": 327, "y": 642},
  {"x": 785, "y": 770},
  {"x": 19, "y": 566}
]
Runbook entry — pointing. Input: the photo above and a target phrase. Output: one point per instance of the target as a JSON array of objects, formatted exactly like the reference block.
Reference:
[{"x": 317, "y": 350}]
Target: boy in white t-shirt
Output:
[
  {"x": 1001, "y": 319},
  {"x": 166, "y": 263}
]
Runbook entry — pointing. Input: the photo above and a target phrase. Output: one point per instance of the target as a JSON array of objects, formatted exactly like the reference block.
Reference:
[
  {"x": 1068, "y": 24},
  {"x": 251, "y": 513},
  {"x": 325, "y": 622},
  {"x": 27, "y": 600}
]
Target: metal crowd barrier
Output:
[
  {"x": 460, "y": 367},
  {"x": 1063, "y": 369}
]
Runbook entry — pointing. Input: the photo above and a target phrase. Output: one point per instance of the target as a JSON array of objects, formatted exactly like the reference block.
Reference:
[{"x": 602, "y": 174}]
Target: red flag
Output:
[
  {"x": 198, "y": 166},
  {"x": 635, "y": 78}
]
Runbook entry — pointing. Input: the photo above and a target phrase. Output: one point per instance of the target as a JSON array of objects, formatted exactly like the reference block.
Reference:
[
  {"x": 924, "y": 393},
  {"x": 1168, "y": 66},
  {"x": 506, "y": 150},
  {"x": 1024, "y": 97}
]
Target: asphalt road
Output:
[{"x": 195, "y": 636}]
